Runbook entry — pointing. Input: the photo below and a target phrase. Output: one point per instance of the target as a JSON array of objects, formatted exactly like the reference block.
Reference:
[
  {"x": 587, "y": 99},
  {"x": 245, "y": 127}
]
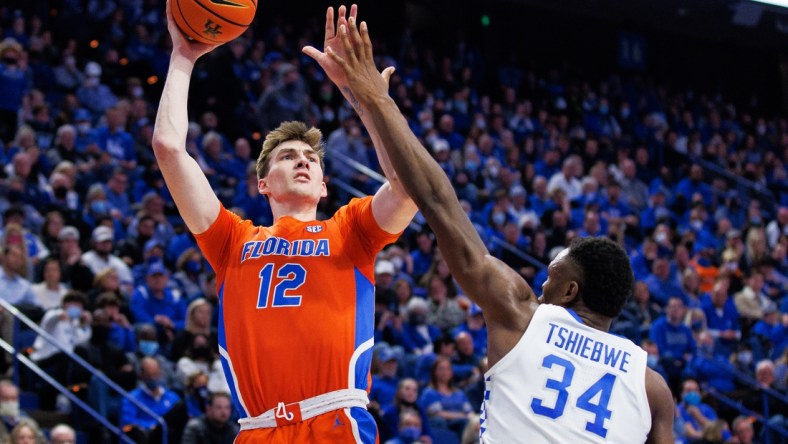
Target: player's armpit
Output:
[{"x": 508, "y": 304}]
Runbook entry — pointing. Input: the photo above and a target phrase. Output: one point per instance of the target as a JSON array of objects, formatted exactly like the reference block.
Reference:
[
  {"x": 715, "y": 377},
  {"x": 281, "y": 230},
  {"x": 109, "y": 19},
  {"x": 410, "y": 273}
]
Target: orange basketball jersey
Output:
[{"x": 296, "y": 304}]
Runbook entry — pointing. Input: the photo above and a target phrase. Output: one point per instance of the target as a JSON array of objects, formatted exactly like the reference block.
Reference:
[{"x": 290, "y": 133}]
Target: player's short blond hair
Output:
[{"x": 288, "y": 131}]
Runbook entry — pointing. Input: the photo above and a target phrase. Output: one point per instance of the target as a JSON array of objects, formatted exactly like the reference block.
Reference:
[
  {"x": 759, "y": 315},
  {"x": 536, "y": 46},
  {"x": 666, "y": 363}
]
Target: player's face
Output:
[{"x": 294, "y": 173}]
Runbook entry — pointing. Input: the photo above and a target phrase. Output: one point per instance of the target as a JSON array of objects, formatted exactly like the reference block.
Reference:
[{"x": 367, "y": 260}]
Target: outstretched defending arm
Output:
[
  {"x": 392, "y": 207},
  {"x": 196, "y": 201},
  {"x": 507, "y": 300}
]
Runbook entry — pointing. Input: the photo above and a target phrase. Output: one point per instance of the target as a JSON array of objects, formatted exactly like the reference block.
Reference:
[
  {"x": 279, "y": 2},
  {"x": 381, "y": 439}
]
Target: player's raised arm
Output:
[
  {"x": 507, "y": 300},
  {"x": 196, "y": 201},
  {"x": 392, "y": 207}
]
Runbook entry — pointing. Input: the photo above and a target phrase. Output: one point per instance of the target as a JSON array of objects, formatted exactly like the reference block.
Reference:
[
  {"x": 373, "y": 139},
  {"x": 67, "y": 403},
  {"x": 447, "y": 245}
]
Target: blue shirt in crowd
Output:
[
  {"x": 673, "y": 341},
  {"x": 133, "y": 415},
  {"x": 145, "y": 306}
]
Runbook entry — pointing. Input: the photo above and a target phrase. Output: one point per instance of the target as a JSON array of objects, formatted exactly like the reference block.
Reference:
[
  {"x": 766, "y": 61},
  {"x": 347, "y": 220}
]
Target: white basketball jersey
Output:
[{"x": 565, "y": 382}]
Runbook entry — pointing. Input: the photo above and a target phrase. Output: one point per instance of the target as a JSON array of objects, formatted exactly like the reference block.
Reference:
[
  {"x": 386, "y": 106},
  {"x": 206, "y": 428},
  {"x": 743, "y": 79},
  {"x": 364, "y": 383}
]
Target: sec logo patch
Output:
[{"x": 314, "y": 228}]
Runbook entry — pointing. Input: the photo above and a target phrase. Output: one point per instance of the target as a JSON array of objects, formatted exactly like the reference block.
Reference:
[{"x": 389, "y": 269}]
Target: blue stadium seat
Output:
[
  {"x": 443, "y": 436},
  {"x": 28, "y": 401},
  {"x": 24, "y": 338}
]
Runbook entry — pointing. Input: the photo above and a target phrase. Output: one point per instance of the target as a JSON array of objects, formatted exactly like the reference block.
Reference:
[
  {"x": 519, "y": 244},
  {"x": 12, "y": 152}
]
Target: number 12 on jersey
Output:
[
  {"x": 292, "y": 275},
  {"x": 604, "y": 387}
]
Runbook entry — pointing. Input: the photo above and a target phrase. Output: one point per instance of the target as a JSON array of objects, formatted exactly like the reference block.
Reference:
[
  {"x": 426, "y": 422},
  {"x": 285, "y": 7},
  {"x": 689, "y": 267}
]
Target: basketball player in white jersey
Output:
[{"x": 556, "y": 375}]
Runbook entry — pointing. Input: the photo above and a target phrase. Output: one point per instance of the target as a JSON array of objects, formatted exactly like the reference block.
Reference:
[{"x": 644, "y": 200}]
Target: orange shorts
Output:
[{"x": 351, "y": 425}]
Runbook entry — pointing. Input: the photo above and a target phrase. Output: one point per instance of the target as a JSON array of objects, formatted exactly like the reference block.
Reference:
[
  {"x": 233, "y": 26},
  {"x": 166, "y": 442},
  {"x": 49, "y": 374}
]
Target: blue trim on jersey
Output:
[
  {"x": 574, "y": 315},
  {"x": 228, "y": 374},
  {"x": 367, "y": 429},
  {"x": 578, "y": 319},
  {"x": 365, "y": 327},
  {"x": 222, "y": 337}
]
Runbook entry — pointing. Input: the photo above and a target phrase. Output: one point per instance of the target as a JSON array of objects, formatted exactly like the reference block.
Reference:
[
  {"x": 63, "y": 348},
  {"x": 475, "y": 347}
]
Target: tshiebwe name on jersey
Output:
[
  {"x": 276, "y": 246},
  {"x": 586, "y": 347}
]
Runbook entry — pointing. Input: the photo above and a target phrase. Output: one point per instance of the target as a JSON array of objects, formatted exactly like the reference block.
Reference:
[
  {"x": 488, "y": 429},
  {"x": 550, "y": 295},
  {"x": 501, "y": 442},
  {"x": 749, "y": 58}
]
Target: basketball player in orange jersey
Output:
[
  {"x": 296, "y": 299},
  {"x": 556, "y": 375}
]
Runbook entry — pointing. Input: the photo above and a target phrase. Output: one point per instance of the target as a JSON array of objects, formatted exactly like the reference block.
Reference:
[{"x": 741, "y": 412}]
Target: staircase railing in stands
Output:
[
  {"x": 766, "y": 392},
  {"x": 743, "y": 186},
  {"x": 29, "y": 363},
  {"x": 763, "y": 419},
  {"x": 418, "y": 221}
]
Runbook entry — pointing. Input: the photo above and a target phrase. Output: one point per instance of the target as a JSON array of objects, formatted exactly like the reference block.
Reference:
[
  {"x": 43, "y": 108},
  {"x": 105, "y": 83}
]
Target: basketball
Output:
[{"x": 213, "y": 21}]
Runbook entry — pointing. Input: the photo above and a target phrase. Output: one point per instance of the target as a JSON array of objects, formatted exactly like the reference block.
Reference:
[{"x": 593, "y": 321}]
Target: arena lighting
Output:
[{"x": 781, "y": 3}]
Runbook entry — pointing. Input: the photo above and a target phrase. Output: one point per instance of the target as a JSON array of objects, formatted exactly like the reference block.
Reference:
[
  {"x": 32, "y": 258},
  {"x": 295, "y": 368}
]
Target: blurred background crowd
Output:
[{"x": 689, "y": 178}]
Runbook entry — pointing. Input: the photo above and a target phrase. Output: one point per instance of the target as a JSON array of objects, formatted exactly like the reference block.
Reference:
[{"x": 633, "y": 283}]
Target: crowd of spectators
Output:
[{"x": 693, "y": 186}]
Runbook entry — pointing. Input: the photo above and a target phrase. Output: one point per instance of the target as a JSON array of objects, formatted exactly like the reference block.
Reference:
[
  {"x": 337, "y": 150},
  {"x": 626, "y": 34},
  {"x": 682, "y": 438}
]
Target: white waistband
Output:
[{"x": 336, "y": 400}]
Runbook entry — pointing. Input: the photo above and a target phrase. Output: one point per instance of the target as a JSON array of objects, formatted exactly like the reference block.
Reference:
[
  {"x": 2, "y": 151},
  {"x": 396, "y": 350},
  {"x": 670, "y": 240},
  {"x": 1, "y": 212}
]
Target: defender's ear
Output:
[{"x": 570, "y": 293}]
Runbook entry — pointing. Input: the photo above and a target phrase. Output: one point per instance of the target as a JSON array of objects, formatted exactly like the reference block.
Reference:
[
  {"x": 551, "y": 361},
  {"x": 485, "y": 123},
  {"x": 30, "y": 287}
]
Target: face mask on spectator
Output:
[
  {"x": 397, "y": 262},
  {"x": 706, "y": 349},
  {"x": 691, "y": 398},
  {"x": 589, "y": 104},
  {"x": 193, "y": 266},
  {"x": 137, "y": 92},
  {"x": 202, "y": 392},
  {"x": 201, "y": 352},
  {"x": 410, "y": 434},
  {"x": 744, "y": 358},
  {"x": 152, "y": 384},
  {"x": 149, "y": 348},
  {"x": 652, "y": 360},
  {"x": 417, "y": 318},
  {"x": 99, "y": 207},
  {"x": 499, "y": 218},
  {"x": 83, "y": 127},
  {"x": 92, "y": 82},
  {"x": 471, "y": 165},
  {"x": 60, "y": 192},
  {"x": 9, "y": 409},
  {"x": 74, "y": 312}
]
